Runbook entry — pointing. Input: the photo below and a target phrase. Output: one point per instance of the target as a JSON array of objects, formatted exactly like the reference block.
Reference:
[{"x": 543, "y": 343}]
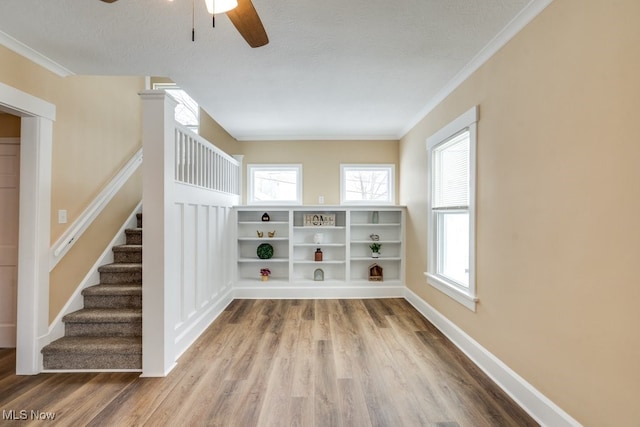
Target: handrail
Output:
[{"x": 73, "y": 233}]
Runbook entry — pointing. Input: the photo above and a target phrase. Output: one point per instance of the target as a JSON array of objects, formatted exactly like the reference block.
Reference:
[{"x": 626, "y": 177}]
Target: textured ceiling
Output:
[{"x": 333, "y": 69}]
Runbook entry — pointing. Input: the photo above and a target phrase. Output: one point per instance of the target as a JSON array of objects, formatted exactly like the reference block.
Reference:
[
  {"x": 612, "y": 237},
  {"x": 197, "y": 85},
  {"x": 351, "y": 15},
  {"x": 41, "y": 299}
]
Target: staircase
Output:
[{"x": 107, "y": 332}]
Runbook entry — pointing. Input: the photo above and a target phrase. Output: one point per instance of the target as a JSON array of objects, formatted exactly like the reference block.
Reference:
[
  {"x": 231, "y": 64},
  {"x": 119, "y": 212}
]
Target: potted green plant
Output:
[{"x": 375, "y": 249}]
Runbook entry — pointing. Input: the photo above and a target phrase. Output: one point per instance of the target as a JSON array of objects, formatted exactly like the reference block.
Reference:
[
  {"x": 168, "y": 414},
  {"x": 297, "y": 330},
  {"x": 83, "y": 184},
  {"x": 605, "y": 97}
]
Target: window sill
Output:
[{"x": 461, "y": 297}]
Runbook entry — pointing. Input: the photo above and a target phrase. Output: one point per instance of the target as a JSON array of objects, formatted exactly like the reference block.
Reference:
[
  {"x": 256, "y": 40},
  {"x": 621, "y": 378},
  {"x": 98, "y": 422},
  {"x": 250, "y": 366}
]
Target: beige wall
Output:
[
  {"x": 210, "y": 130},
  {"x": 9, "y": 126},
  {"x": 320, "y": 161},
  {"x": 558, "y": 185},
  {"x": 97, "y": 130}
]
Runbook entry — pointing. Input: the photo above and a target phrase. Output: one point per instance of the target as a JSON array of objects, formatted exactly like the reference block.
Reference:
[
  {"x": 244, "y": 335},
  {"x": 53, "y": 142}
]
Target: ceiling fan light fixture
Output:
[{"x": 220, "y": 6}]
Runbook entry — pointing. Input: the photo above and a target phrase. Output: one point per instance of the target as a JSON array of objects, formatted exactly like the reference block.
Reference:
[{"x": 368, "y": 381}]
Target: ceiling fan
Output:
[{"x": 246, "y": 20}]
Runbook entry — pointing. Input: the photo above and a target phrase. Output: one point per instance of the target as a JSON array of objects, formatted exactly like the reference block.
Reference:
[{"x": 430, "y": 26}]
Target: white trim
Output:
[
  {"x": 388, "y": 167},
  {"x": 22, "y": 104},
  {"x": 86, "y": 218},
  {"x": 88, "y": 371},
  {"x": 462, "y": 121},
  {"x": 274, "y": 166},
  {"x": 312, "y": 138},
  {"x": 540, "y": 407},
  {"x": 76, "y": 301},
  {"x": 36, "y": 130},
  {"x": 318, "y": 292},
  {"x": 34, "y": 239},
  {"x": 460, "y": 296},
  {"x": 526, "y": 15},
  {"x": 205, "y": 318},
  {"x": 466, "y": 297},
  {"x": 33, "y": 55}
]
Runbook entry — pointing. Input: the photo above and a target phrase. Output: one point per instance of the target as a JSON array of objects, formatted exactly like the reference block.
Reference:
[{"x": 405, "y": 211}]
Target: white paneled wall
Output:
[
  {"x": 189, "y": 187},
  {"x": 203, "y": 275}
]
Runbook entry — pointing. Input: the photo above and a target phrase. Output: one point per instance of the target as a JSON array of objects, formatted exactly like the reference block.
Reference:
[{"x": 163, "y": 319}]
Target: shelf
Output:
[
  {"x": 303, "y": 227},
  {"x": 263, "y": 222},
  {"x": 320, "y": 245},
  {"x": 262, "y": 239},
  {"x": 345, "y": 246},
  {"x": 368, "y": 242},
  {"x": 272, "y": 281},
  {"x": 302, "y": 261},
  {"x": 390, "y": 224}
]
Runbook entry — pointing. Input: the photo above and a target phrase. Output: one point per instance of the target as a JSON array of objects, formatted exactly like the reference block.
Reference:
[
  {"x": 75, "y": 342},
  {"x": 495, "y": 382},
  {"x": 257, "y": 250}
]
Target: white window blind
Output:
[{"x": 451, "y": 173}]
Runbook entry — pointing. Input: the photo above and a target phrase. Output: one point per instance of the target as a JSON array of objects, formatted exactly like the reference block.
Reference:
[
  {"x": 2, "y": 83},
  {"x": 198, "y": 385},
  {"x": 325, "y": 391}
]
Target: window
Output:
[
  {"x": 274, "y": 184},
  {"x": 367, "y": 184},
  {"x": 451, "y": 209},
  {"x": 187, "y": 111}
]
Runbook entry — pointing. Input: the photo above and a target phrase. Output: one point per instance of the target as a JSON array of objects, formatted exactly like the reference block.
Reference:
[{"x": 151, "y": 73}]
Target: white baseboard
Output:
[
  {"x": 318, "y": 292},
  {"x": 199, "y": 325},
  {"x": 543, "y": 410}
]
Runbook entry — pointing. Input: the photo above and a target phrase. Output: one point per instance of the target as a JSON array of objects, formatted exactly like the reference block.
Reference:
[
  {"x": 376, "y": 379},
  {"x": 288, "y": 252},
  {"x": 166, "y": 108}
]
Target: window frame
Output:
[
  {"x": 390, "y": 168},
  {"x": 462, "y": 294},
  {"x": 253, "y": 167}
]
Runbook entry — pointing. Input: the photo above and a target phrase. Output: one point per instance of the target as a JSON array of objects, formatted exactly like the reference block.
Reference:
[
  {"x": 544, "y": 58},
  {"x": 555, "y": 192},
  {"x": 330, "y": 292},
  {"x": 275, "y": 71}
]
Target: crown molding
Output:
[
  {"x": 296, "y": 137},
  {"x": 526, "y": 15},
  {"x": 22, "y": 49}
]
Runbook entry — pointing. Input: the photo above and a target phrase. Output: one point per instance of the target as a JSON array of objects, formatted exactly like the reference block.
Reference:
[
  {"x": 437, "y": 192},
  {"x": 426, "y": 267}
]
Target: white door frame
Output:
[{"x": 36, "y": 139}]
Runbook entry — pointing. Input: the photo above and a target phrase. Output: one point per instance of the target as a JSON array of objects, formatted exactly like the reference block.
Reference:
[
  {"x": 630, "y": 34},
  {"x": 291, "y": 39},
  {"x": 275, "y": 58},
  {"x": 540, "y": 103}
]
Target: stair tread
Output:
[
  {"x": 97, "y": 345},
  {"x": 120, "y": 267},
  {"x": 104, "y": 315},
  {"x": 128, "y": 248},
  {"x": 134, "y": 230},
  {"x": 113, "y": 289}
]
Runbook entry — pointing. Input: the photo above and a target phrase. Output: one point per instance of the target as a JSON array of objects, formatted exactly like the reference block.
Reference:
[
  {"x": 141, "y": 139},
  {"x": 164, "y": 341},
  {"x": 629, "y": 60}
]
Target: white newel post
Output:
[
  {"x": 158, "y": 285},
  {"x": 239, "y": 180}
]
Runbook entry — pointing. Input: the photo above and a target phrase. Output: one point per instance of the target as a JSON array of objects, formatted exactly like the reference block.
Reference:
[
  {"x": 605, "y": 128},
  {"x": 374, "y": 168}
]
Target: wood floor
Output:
[{"x": 283, "y": 363}]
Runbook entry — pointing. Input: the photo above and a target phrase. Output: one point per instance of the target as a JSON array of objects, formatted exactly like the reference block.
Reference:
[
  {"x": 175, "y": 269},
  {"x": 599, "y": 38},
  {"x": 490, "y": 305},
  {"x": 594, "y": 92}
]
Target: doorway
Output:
[
  {"x": 9, "y": 225},
  {"x": 35, "y": 148}
]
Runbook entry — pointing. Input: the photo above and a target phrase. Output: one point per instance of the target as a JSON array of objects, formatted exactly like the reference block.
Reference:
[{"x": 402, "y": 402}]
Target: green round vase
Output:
[{"x": 265, "y": 251}]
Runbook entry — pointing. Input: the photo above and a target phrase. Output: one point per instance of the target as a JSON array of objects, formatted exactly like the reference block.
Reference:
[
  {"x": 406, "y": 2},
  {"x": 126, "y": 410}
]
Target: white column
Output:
[{"x": 159, "y": 284}]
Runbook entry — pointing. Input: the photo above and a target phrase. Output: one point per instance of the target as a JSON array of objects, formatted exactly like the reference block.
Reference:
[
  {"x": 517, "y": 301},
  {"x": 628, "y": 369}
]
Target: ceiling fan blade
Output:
[{"x": 246, "y": 20}]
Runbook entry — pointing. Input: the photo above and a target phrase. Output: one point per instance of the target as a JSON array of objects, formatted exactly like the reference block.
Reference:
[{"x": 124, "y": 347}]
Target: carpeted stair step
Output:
[
  {"x": 134, "y": 236},
  {"x": 94, "y": 353},
  {"x": 119, "y": 322},
  {"x": 139, "y": 219},
  {"x": 126, "y": 295},
  {"x": 127, "y": 254},
  {"x": 120, "y": 273}
]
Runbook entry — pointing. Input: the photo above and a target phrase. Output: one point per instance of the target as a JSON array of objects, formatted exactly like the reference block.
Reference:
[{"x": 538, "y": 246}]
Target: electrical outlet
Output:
[
  {"x": 62, "y": 216},
  {"x": 321, "y": 200}
]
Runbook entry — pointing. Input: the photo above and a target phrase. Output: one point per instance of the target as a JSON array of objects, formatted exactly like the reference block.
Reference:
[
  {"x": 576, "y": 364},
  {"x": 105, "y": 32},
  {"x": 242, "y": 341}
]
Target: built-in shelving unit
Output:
[
  {"x": 250, "y": 224},
  {"x": 343, "y": 235}
]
